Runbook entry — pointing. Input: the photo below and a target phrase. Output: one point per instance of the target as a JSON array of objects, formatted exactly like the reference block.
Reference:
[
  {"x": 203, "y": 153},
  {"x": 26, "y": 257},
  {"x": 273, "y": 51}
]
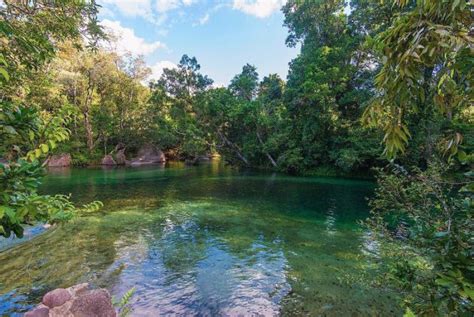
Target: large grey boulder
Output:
[
  {"x": 60, "y": 160},
  {"x": 147, "y": 155}
]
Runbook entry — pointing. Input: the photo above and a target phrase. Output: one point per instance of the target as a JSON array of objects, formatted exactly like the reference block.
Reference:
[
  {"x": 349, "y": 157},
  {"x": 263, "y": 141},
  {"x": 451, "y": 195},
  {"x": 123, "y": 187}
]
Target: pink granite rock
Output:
[
  {"x": 78, "y": 289},
  {"x": 56, "y": 297},
  {"x": 61, "y": 160},
  {"x": 40, "y": 311},
  {"x": 75, "y": 301},
  {"x": 108, "y": 160},
  {"x": 96, "y": 303}
]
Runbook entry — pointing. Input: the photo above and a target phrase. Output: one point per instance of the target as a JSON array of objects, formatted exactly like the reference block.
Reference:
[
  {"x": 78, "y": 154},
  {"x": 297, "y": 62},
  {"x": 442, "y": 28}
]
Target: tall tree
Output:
[
  {"x": 244, "y": 85},
  {"x": 177, "y": 90},
  {"x": 318, "y": 89}
]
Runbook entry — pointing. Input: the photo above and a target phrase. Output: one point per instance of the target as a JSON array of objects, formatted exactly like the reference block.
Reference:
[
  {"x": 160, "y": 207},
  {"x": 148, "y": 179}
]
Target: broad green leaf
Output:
[
  {"x": 44, "y": 148},
  {"x": 4, "y": 73}
]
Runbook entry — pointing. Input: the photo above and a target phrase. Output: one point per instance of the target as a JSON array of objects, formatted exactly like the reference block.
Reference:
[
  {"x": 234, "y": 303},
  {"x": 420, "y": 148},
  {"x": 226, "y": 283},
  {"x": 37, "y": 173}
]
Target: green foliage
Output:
[
  {"x": 244, "y": 85},
  {"x": 123, "y": 305},
  {"x": 29, "y": 32},
  {"x": 175, "y": 94},
  {"x": 30, "y": 137},
  {"x": 426, "y": 230},
  {"x": 422, "y": 218},
  {"x": 427, "y": 60}
]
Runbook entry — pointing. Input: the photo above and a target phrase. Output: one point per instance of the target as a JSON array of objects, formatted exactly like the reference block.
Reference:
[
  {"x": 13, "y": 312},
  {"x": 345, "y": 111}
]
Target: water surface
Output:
[{"x": 207, "y": 241}]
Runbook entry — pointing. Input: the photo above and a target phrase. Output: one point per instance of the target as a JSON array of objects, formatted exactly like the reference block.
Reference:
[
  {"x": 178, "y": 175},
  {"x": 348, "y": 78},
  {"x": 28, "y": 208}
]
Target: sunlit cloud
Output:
[
  {"x": 127, "y": 41},
  {"x": 258, "y": 8},
  {"x": 157, "y": 68}
]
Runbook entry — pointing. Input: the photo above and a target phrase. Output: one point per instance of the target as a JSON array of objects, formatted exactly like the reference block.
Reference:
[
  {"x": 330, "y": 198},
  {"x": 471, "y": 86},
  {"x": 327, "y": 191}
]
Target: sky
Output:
[{"x": 223, "y": 35}]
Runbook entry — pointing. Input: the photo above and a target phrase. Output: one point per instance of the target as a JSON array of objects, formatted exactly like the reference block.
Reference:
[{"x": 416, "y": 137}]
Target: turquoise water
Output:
[{"x": 208, "y": 241}]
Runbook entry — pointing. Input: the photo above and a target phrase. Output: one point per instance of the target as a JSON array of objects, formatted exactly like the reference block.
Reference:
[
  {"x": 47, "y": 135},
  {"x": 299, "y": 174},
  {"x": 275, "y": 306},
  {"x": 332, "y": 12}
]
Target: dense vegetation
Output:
[{"x": 387, "y": 86}]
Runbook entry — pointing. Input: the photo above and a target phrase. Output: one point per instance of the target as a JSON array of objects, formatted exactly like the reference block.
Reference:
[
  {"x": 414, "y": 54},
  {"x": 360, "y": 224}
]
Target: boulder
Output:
[
  {"x": 75, "y": 301},
  {"x": 108, "y": 160},
  {"x": 39, "y": 311},
  {"x": 93, "y": 303},
  {"x": 147, "y": 155},
  {"x": 120, "y": 157},
  {"x": 78, "y": 289},
  {"x": 60, "y": 160},
  {"x": 56, "y": 297},
  {"x": 62, "y": 311}
]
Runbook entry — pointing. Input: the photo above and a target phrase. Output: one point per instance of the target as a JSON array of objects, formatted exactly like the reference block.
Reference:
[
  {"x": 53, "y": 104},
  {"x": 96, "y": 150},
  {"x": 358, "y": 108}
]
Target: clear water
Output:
[{"x": 206, "y": 241}]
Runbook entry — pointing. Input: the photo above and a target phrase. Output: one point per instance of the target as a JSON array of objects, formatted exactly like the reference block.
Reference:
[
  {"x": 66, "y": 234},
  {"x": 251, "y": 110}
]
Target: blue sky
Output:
[{"x": 223, "y": 35}]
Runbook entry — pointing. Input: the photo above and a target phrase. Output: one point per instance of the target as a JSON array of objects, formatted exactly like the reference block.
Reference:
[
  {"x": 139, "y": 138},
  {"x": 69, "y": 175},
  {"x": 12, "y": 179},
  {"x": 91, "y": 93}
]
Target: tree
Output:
[
  {"x": 244, "y": 85},
  {"x": 421, "y": 217},
  {"x": 176, "y": 91},
  {"x": 29, "y": 33},
  {"x": 427, "y": 51},
  {"x": 326, "y": 88}
]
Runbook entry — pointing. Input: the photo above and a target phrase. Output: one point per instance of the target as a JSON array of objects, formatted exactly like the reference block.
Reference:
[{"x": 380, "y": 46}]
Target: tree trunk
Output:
[
  {"x": 234, "y": 147},
  {"x": 85, "y": 113},
  {"x": 89, "y": 133},
  {"x": 270, "y": 158}
]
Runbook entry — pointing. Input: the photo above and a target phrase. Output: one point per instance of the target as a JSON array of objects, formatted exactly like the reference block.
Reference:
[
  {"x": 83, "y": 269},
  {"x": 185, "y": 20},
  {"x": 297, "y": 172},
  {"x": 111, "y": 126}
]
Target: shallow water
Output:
[{"x": 207, "y": 241}]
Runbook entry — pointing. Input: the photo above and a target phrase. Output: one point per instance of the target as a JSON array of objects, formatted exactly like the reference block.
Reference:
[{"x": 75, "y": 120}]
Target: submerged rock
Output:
[
  {"x": 75, "y": 301},
  {"x": 60, "y": 160}
]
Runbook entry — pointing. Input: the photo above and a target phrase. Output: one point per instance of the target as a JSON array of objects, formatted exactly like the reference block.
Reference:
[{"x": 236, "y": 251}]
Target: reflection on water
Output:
[{"x": 209, "y": 241}]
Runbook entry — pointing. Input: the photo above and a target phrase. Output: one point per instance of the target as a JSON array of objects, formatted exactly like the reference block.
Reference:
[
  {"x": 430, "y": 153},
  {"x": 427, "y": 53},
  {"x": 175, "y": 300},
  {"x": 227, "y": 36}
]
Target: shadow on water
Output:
[{"x": 205, "y": 240}]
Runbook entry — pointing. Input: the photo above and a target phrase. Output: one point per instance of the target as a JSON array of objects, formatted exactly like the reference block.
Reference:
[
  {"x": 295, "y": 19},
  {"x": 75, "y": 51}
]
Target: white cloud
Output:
[
  {"x": 128, "y": 41},
  {"x": 157, "y": 69},
  {"x": 204, "y": 19},
  {"x": 258, "y": 8},
  {"x": 167, "y": 5}
]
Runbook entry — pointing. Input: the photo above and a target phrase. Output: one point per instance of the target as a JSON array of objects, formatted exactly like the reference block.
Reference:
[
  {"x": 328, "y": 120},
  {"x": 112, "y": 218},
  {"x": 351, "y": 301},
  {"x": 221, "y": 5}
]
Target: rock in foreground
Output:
[{"x": 75, "y": 301}]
